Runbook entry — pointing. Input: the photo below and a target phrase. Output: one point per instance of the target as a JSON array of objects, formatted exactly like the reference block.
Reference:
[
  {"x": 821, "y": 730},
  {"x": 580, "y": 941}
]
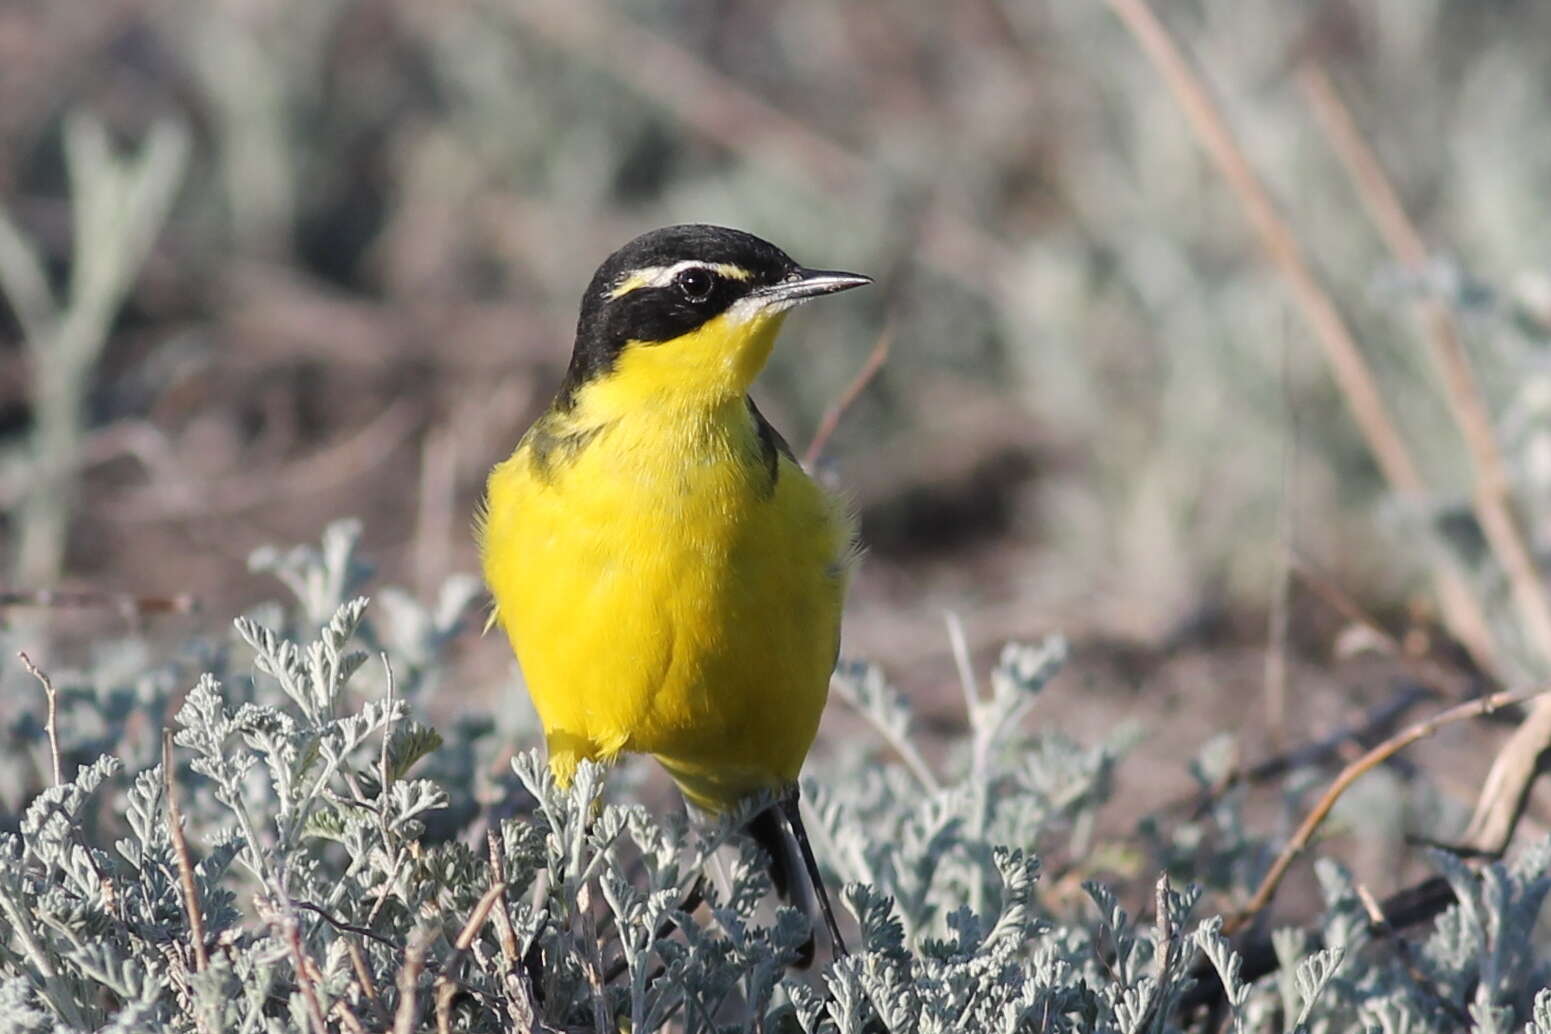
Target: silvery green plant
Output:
[{"x": 321, "y": 856}]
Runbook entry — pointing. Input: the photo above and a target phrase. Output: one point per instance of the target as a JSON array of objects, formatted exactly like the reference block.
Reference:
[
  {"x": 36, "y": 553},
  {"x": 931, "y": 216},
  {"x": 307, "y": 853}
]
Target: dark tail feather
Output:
[
  {"x": 793, "y": 869},
  {"x": 787, "y": 872}
]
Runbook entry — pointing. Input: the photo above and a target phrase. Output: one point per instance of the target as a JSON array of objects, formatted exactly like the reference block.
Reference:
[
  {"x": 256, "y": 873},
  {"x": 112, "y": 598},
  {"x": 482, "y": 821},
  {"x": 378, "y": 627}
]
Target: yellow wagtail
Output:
[{"x": 669, "y": 576}]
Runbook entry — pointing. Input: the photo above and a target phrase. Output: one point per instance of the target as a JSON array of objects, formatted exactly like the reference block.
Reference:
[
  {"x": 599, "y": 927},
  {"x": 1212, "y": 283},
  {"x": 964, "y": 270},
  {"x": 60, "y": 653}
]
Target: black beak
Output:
[{"x": 804, "y": 284}]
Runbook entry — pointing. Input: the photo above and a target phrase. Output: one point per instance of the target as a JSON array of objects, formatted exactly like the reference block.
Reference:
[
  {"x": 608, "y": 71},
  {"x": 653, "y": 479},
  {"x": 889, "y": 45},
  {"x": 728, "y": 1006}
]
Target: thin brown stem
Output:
[
  {"x": 1461, "y": 389},
  {"x": 837, "y": 409},
  {"x": 1376, "y": 723},
  {"x": 1505, "y": 792},
  {"x": 303, "y": 966},
  {"x": 503, "y": 924},
  {"x": 347, "y": 1017},
  {"x": 519, "y": 987},
  {"x": 344, "y": 927},
  {"x": 408, "y": 1012},
  {"x": 363, "y": 977},
  {"x": 445, "y": 986},
  {"x": 1349, "y": 775},
  {"x": 191, "y": 906},
  {"x": 1340, "y": 601},
  {"x": 51, "y": 724}
]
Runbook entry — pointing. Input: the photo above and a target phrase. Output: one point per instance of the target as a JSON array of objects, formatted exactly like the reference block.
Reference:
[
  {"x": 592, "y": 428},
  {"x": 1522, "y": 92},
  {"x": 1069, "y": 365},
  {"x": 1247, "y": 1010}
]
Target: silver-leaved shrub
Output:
[{"x": 345, "y": 862}]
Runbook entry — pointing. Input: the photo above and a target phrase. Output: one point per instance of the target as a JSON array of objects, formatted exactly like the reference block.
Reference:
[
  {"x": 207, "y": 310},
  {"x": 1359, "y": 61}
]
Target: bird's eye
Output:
[{"x": 696, "y": 284}]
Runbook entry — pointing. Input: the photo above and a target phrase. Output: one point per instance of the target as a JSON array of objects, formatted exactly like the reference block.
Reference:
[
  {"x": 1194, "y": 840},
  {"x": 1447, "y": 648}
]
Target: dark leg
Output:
[{"x": 793, "y": 813}]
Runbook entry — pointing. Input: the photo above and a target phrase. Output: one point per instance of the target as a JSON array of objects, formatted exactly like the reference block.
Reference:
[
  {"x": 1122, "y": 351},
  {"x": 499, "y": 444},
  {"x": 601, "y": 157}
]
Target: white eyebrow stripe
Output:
[{"x": 662, "y": 276}]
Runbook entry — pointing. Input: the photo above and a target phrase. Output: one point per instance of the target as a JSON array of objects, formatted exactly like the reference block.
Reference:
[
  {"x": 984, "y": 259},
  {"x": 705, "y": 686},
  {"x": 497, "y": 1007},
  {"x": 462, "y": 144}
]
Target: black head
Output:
[{"x": 670, "y": 281}]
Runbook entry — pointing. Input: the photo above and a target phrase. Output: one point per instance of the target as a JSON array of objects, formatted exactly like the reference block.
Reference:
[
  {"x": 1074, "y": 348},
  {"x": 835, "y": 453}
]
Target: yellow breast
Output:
[{"x": 671, "y": 583}]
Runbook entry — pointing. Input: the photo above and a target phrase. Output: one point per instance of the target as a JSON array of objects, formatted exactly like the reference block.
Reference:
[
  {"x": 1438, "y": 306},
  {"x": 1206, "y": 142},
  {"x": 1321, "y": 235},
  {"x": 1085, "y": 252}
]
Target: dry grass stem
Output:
[
  {"x": 1376, "y": 723},
  {"x": 503, "y": 924},
  {"x": 1505, "y": 792},
  {"x": 1462, "y": 611},
  {"x": 347, "y": 1017},
  {"x": 1349, "y": 775},
  {"x": 363, "y": 977},
  {"x": 304, "y": 975},
  {"x": 408, "y": 1013},
  {"x": 344, "y": 927},
  {"x": 51, "y": 723},
  {"x": 837, "y": 409},
  {"x": 191, "y": 905},
  {"x": 445, "y": 985}
]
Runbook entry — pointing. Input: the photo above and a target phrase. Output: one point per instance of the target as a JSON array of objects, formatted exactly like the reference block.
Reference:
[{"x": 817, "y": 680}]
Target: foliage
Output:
[{"x": 331, "y": 883}]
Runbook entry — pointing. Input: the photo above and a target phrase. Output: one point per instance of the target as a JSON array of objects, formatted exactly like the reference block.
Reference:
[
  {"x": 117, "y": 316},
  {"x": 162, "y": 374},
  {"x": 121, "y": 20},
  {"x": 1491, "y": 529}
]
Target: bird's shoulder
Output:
[{"x": 553, "y": 442}]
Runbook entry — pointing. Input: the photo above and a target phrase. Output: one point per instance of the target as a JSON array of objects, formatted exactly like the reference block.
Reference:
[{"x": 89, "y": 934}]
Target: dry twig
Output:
[
  {"x": 304, "y": 967},
  {"x": 519, "y": 986},
  {"x": 1505, "y": 792},
  {"x": 503, "y": 924},
  {"x": 363, "y": 977},
  {"x": 1462, "y": 611},
  {"x": 1342, "y": 603},
  {"x": 344, "y": 927},
  {"x": 445, "y": 987},
  {"x": 347, "y": 1017},
  {"x": 1377, "y": 722},
  {"x": 51, "y": 724},
  {"x": 837, "y": 409},
  {"x": 408, "y": 1013},
  {"x": 191, "y": 905},
  {"x": 1401, "y": 910},
  {"x": 1349, "y": 775}
]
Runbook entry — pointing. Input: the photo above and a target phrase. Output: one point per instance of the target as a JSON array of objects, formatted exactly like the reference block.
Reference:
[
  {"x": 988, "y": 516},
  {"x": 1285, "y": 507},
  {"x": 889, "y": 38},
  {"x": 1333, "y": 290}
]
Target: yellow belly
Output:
[{"x": 664, "y": 597}]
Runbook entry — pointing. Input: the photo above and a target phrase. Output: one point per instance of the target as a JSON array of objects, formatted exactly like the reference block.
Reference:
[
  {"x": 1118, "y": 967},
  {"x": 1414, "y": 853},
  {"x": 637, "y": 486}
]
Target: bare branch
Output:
[
  {"x": 51, "y": 725},
  {"x": 837, "y": 409},
  {"x": 1349, "y": 775},
  {"x": 191, "y": 906},
  {"x": 304, "y": 976},
  {"x": 408, "y": 1013}
]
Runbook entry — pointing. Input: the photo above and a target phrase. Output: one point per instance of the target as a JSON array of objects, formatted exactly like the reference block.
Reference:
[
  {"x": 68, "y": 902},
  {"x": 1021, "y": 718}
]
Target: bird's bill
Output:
[{"x": 809, "y": 283}]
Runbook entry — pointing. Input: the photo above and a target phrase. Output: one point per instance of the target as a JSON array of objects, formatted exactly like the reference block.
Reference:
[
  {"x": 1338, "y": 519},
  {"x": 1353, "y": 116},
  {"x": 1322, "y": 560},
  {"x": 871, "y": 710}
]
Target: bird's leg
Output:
[{"x": 790, "y": 808}]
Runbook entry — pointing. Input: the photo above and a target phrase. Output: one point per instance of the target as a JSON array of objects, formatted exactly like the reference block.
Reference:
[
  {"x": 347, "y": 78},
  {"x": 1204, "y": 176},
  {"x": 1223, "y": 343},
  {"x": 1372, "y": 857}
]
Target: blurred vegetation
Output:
[
  {"x": 265, "y": 262},
  {"x": 368, "y": 279}
]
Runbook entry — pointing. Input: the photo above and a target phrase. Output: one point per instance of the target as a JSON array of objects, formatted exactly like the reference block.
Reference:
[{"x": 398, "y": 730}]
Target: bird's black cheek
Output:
[{"x": 661, "y": 320}]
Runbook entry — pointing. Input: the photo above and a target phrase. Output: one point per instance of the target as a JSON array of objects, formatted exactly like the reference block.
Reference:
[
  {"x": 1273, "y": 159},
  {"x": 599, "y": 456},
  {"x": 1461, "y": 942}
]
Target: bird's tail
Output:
[{"x": 787, "y": 872}]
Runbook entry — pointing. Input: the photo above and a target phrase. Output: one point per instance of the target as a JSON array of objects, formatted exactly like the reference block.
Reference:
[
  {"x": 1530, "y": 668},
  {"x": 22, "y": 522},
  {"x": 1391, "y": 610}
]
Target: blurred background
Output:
[{"x": 265, "y": 263}]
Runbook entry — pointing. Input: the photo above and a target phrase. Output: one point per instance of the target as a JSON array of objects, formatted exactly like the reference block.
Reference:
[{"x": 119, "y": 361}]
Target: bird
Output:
[{"x": 669, "y": 576}]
